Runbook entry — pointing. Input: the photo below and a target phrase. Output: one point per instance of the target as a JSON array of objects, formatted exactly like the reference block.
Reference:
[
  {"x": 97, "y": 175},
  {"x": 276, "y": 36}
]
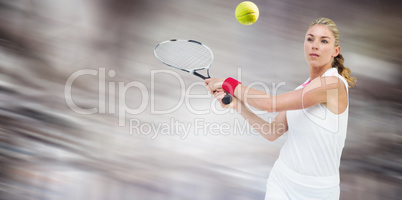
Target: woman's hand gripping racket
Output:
[{"x": 189, "y": 56}]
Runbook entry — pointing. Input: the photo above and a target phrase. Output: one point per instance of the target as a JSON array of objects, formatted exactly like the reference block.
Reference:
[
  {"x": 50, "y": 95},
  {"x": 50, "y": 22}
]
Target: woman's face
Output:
[{"x": 319, "y": 46}]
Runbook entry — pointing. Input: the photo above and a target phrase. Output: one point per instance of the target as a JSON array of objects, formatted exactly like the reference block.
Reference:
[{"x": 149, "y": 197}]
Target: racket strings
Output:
[{"x": 184, "y": 55}]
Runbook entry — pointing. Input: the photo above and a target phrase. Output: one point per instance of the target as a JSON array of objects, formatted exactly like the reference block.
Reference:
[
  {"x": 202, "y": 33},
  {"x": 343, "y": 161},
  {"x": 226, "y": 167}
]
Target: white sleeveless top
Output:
[{"x": 316, "y": 137}]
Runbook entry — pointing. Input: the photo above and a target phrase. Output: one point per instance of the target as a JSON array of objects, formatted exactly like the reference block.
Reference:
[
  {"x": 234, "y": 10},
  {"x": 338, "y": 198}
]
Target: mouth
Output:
[{"x": 314, "y": 55}]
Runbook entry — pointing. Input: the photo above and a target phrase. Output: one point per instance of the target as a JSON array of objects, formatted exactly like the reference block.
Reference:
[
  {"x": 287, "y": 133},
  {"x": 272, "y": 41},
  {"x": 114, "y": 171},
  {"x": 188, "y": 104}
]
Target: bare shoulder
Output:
[
  {"x": 326, "y": 83},
  {"x": 337, "y": 98}
]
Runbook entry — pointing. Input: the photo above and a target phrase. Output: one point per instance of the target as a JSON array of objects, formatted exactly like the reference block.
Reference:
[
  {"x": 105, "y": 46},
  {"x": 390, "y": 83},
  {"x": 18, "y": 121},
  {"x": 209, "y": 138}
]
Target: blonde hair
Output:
[{"x": 338, "y": 60}]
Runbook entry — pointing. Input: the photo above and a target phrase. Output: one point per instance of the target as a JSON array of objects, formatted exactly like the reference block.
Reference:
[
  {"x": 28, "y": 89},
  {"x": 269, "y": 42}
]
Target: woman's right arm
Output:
[{"x": 269, "y": 130}]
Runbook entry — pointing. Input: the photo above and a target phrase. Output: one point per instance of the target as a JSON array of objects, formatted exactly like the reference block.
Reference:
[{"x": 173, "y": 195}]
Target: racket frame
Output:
[
  {"x": 193, "y": 71},
  {"x": 228, "y": 98}
]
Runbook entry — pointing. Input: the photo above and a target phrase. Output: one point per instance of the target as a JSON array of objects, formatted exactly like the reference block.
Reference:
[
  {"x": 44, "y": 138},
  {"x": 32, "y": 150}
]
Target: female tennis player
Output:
[{"x": 315, "y": 116}]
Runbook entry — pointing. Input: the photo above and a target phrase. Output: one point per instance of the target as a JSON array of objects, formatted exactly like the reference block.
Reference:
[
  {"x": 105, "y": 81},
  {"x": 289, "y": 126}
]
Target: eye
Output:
[
  {"x": 309, "y": 39},
  {"x": 324, "y": 41}
]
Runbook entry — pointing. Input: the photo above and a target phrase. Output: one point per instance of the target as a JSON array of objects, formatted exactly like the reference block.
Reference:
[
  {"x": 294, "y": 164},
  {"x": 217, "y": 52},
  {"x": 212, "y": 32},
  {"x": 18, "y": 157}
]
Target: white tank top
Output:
[{"x": 316, "y": 137}]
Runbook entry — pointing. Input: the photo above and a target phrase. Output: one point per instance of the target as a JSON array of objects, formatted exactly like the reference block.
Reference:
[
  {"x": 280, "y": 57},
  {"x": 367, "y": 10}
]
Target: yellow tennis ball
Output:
[{"x": 247, "y": 13}]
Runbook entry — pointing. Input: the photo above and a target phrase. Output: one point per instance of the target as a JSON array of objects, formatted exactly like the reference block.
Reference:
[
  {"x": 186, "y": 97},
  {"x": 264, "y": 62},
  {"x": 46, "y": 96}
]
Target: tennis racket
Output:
[{"x": 189, "y": 56}]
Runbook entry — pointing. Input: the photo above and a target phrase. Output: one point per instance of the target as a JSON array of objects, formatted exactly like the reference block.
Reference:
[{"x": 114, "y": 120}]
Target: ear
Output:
[{"x": 337, "y": 51}]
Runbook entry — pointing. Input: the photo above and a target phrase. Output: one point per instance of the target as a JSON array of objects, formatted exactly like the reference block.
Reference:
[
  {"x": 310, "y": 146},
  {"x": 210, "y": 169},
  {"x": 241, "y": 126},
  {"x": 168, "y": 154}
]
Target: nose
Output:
[{"x": 314, "y": 46}]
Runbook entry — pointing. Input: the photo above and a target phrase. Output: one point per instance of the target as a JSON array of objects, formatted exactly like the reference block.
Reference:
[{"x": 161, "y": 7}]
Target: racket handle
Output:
[{"x": 227, "y": 99}]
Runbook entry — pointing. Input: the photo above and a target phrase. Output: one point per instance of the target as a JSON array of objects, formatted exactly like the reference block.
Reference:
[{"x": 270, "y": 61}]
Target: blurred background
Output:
[{"x": 139, "y": 139}]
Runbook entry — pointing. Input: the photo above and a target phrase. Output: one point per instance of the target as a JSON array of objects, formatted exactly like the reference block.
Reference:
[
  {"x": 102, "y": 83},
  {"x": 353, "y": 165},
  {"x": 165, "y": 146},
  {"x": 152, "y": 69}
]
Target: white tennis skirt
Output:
[{"x": 284, "y": 183}]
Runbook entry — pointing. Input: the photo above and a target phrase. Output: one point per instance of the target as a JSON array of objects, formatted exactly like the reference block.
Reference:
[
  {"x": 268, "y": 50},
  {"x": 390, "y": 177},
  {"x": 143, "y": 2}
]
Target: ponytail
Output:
[{"x": 343, "y": 71}]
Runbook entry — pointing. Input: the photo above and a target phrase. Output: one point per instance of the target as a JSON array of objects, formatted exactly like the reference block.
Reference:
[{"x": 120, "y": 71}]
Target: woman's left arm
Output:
[{"x": 317, "y": 91}]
